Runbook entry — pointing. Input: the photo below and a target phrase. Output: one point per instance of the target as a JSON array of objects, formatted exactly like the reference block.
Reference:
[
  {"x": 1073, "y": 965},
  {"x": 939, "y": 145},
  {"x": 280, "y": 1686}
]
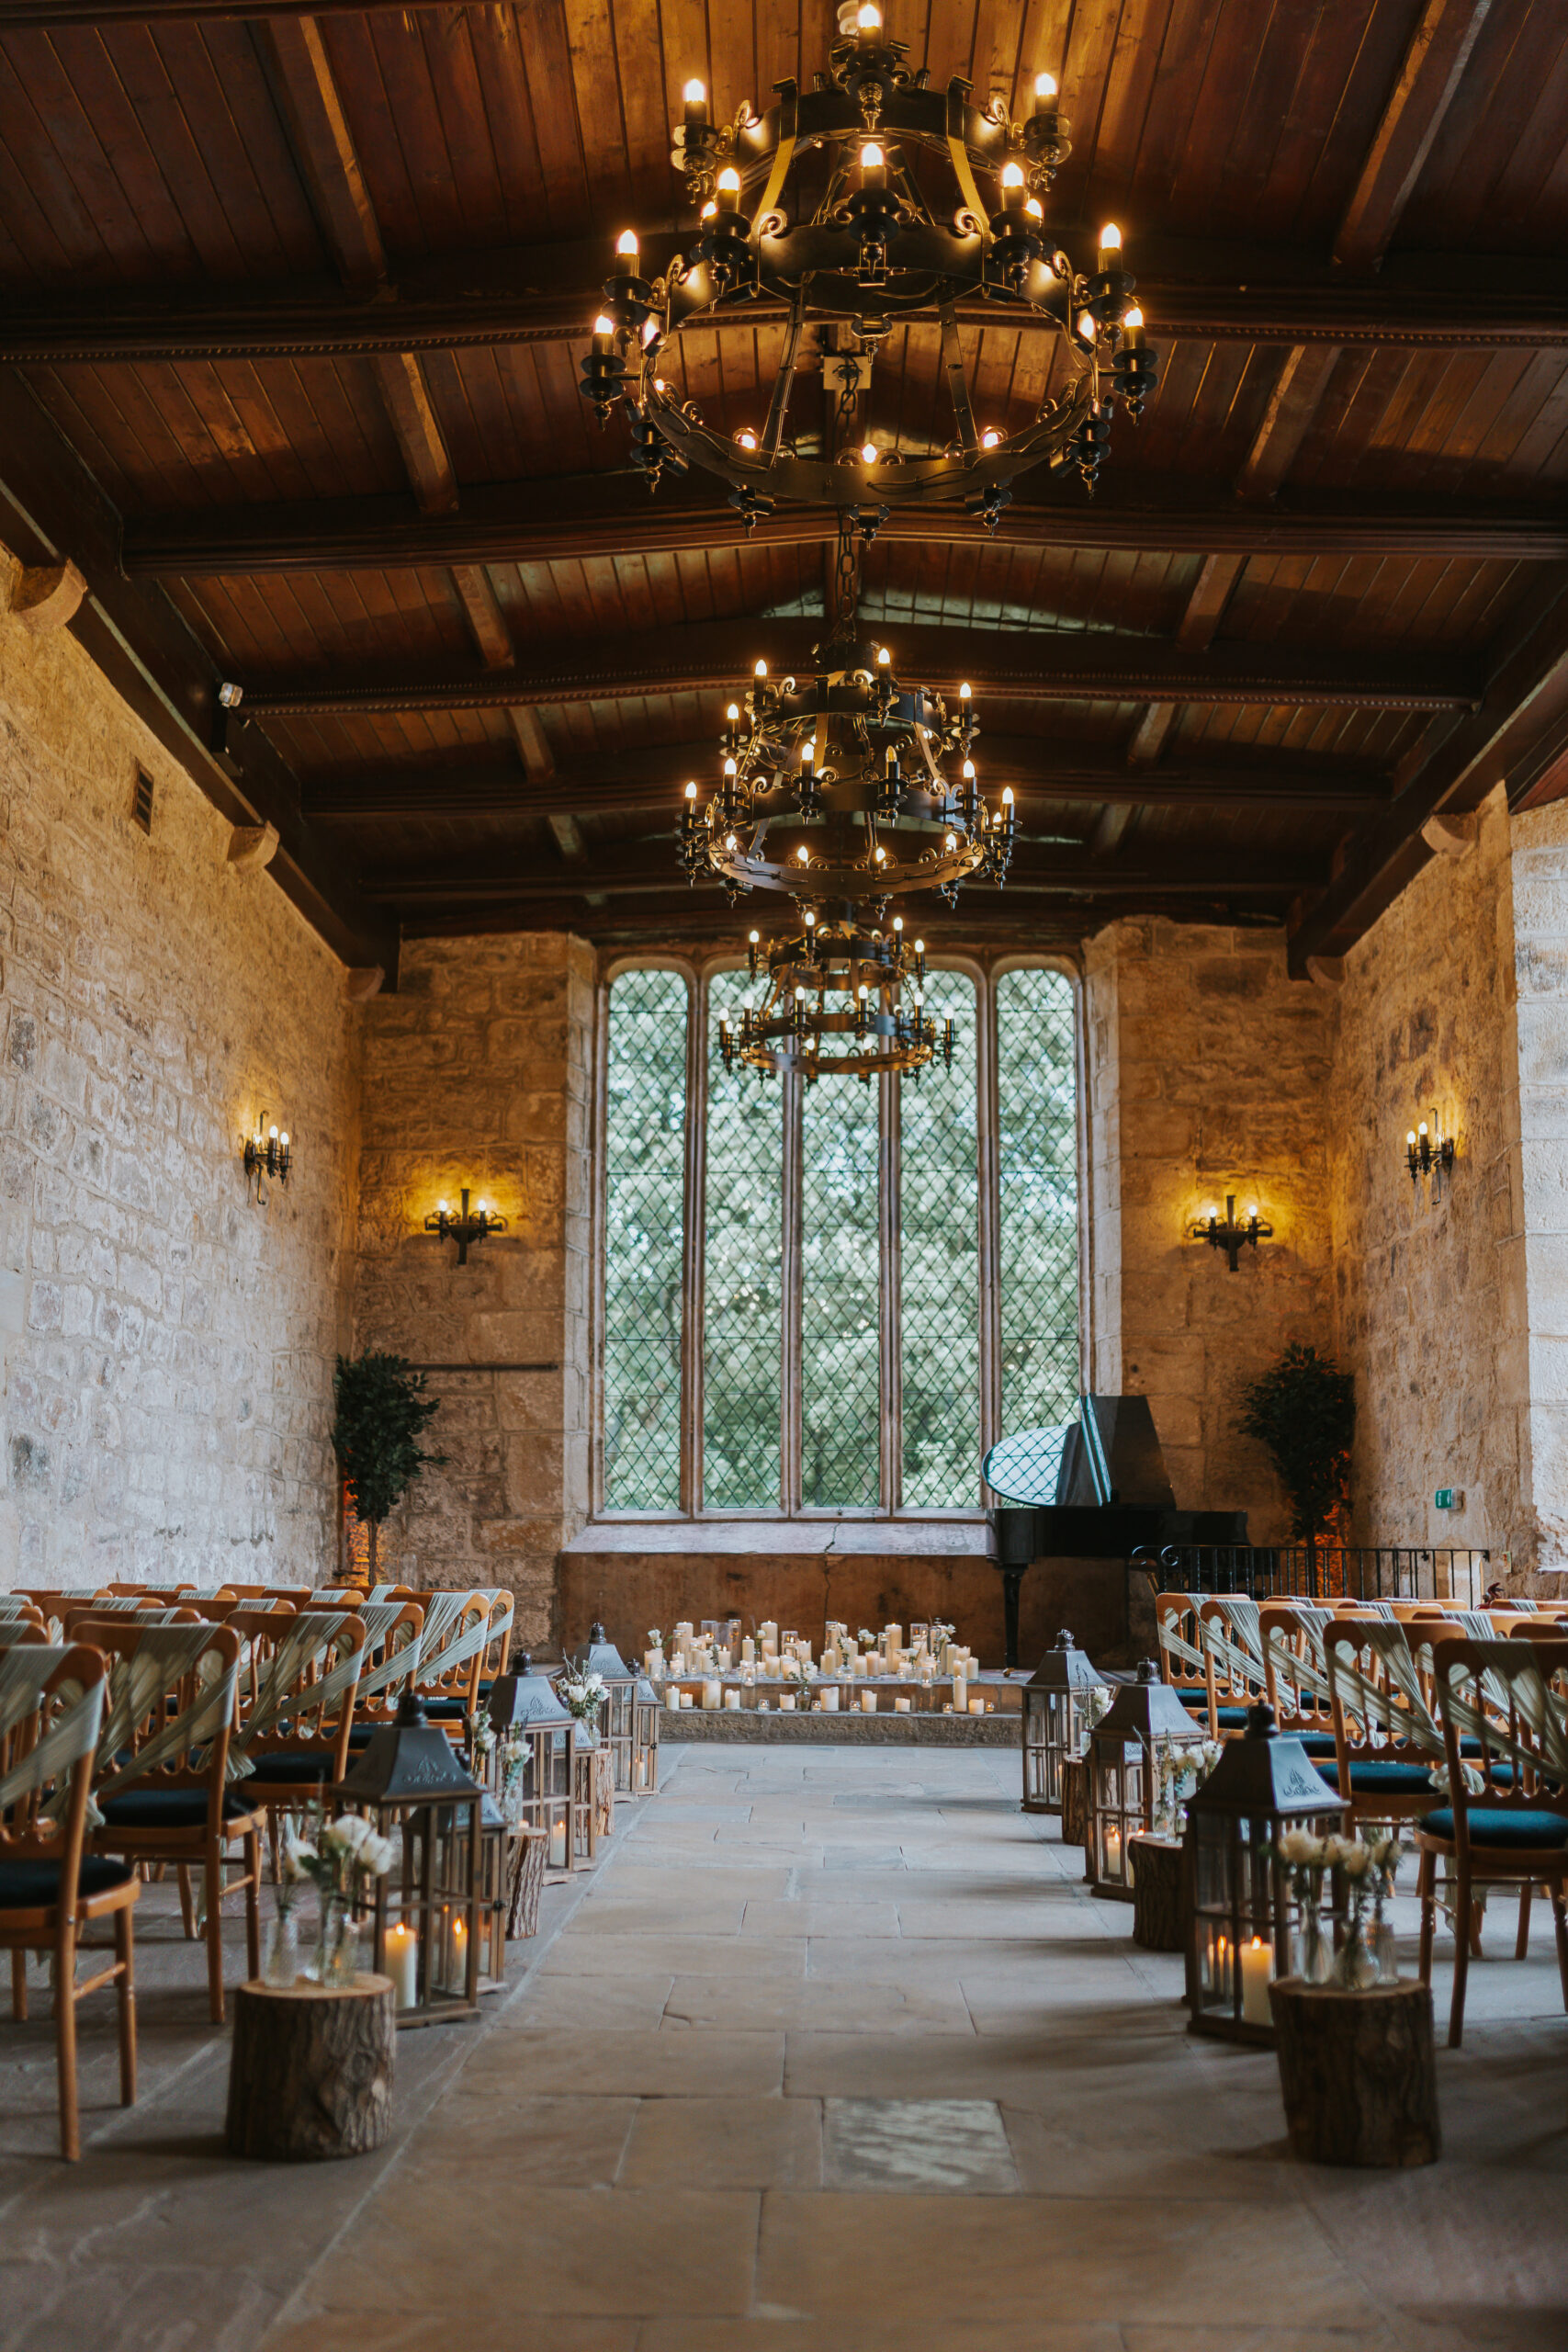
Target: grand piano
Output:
[{"x": 1090, "y": 1490}]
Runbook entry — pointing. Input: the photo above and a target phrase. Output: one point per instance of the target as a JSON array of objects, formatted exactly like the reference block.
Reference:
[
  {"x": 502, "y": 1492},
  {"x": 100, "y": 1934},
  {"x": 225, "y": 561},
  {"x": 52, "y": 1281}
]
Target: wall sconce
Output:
[
  {"x": 267, "y": 1153},
  {"x": 466, "y": 1227},
  {"x": 1425, "y": 1156},
  {"x": 1229, "y": 1237}
]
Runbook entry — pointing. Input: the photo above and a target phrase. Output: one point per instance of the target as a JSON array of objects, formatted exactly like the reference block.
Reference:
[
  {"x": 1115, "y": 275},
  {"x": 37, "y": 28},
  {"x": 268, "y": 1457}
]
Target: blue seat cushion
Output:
[
  {"x": 1191, "y": 1694},
  {"x": 35, "y": 1886},
  {"x": 1231, "y": 1718},
  {"x": 445, "y": 1711},
  {"x": 292, "y": 1765},
  {"x": 167, "y": 1809},
  {"x": 1372, "y": 1774},
  {"x": 363, "y": 1734},
  {"x": 1524, "y": 1831},
  {"x": 486, "y": 1687},
  {"x": 1316, "y": 1743}
]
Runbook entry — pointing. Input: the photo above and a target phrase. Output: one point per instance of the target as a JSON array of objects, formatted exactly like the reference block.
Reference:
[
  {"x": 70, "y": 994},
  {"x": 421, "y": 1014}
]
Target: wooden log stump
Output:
[
  {"x": 1159, "y": 1894},
  {"x": 311, "y": 2071},
  {"x": 527, "y": 1878},
  {"x": 1074, "y": 1802},
  {"x": 1358, "y": 2073}
]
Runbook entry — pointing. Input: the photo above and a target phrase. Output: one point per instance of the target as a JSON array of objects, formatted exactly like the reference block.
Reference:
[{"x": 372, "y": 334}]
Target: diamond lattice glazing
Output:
[
  {"x": 645, "y": 1154},
  {"x": 940, "y": 1266},
  {"x": 1037, "y": 1167},
  {"x": 743, "y": 1254}
]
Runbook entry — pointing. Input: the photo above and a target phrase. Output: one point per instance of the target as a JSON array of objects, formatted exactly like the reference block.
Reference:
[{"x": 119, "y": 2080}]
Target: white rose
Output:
[{"x": 350, "y": 1830}]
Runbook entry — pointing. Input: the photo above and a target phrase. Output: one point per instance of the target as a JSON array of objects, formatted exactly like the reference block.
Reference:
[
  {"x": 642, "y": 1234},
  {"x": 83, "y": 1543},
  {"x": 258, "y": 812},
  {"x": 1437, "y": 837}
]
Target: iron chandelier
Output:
[
  {"x": 889, "y": 227},
  {"x": 840, "y": 983}
]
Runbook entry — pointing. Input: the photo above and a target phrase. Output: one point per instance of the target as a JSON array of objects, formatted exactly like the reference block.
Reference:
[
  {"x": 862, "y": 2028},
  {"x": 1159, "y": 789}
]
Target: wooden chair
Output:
[
  {"x": 1386, "y": 1742},
  {"x": 1181, "y": 1659},
  {"x": 1229, "y": 1634},
  {"x": 392, "y": 1630},
  {"x": 51, "y": 1707},
  {"x": 1295, "y": 1677},
  {"x": 302, "y": 1595},
  {"x": 1504, "y": 1715},
  {"x": 451, "y": 1653},
  {"x": 172, "y": 1690},
  {"x": 293, "y": 1739}
]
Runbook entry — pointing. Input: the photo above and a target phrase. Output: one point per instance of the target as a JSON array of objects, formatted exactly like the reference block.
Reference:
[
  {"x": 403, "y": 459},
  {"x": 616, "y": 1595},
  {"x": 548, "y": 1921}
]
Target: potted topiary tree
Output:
[
  {"x": 381, "y": 1409},
  {"x": 1302, "y": 1411}
]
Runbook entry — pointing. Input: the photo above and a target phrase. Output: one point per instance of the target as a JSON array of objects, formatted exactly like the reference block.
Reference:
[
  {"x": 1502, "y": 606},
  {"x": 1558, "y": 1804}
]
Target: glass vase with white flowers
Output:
[
  {"x": 581, "y": 1691},
  {"x": 340, "y": 1859}
]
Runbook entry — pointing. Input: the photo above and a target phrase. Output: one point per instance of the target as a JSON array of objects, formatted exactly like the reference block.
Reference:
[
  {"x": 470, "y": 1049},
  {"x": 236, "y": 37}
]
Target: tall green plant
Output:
[
  {"x": 382, "y": 1410},
  {"x": 1303, "y": 1410}
]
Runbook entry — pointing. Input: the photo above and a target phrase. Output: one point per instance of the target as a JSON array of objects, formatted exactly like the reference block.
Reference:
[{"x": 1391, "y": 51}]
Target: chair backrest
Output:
[
  {"x": 1295, "y": 1678},
  {"x": 77, "y": 1624},
  {"x": 171, "y": 1703},
  {"x": 1543, "y": 1625},
  {"x": 302, "y": 1693},
  {"x": 52, "y": 1707},
  {"x": 498, "y": 1649},
  {"x": 452, "y": 1646},
  {"x": 1230, "y": 1634},
  {"x": 1504, "y": 1707},
  {"x": 21, "y": 1629},
  {"x": 302, "y": 1595},
  {"x": 392, "y": 1630},
  {"x": 1380, "y": 1707},
  {"x": 1181, "y": 1660}
]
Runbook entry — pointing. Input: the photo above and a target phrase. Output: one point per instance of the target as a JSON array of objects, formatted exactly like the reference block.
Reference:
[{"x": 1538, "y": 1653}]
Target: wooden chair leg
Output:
[
  {"x": 1462, "y": 1954},
  {"x": 65, "y": 2040},
  {"x": 1522, "y": 1942},
  {"x": 214, "y": 1877},
  {"x": 19, "y": 1984},
  {"x": 125, "y": 1998},
  {"x": 1427, "y": 1890},
  {"x": 253, "y": 1904},
  {"x": 1560, "y": 1921},
  {"x": 187, "y": 1912}
]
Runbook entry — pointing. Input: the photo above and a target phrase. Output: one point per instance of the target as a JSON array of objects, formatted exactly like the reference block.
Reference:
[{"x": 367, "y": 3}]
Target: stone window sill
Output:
[{"x": 967, "y": 1536}]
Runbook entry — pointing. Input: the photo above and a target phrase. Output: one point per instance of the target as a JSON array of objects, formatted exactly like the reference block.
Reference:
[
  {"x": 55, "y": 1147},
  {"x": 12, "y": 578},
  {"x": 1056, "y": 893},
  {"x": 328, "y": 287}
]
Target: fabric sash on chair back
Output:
[
  {"x": 304, "y": 1691},
  {"x": 171, "y": 1703},
  {"x": 1504, "y": 1707},
  {"x": 1181, "y": 1660}
]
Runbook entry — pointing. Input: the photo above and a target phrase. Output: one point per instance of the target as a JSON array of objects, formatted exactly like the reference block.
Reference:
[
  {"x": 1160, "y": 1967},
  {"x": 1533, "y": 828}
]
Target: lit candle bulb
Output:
[
  {"x": 881, "y": 853},
  {"x": 873, "y": 166},
  {"x": 603, "y": 336},
  {"x": 1044, "y": 93},
  {"x": 1006, "y": 797},
  {"x": 695, "y": 99},
  {"x": 441, "y": 1205},
  {"x": 883, "y": 658},
  {"x": 730, "y": 767},
  {"x": 759, "y": 670},
  {"x": 732, "y": 712},
  {"x": 272, "y": 1131},
  {"x": 754, "y": 937},
  {"x": 1012, "y": 188},
  {"x": 868, "y": 453},
  {"x": 283, "y": 1138},
  {"x": 1109, "y": 248},
  {"x": 808, "y": 755},
  {"x": 746, "y": 439},
  {"x": 709, "y": 211},
  {"x": 627, "y": 246},
  {"x": 729, "y": 187},
  {"x": 1133, "y": 328},
  {"x": 803, "y": 854},
  {"x": 1034, "y": 208},
  {"x": 868, "y": 24},
  {"x": 690, "y": 792},
  {"x": 989, "y": 438}
]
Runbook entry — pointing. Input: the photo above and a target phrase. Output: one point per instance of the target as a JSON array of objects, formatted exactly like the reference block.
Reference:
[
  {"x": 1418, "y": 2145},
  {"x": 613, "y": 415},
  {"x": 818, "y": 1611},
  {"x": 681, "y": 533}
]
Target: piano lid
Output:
[{"x": 1110, "y": 1454}]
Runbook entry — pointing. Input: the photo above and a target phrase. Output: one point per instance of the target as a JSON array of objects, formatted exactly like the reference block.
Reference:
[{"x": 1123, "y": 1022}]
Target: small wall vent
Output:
[{"x": 142, "y": 801}]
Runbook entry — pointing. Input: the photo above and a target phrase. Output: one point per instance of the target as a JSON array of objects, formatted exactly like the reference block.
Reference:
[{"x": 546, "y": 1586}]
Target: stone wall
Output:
[
  {"x": 479, "y": 1072},
  {"x": 1208, "y": 1070},
  {"x": 167, "y": 1345},
  {"x": 1430, "y": 1305}
]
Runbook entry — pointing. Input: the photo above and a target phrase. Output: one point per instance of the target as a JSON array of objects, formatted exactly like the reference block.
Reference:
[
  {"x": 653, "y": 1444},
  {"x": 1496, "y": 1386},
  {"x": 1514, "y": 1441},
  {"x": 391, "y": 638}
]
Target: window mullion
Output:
[
  {"x": 892, "y": 1416},
  {"x": 790, "y": 1322},
  {"x": 987, "y": 1113}
]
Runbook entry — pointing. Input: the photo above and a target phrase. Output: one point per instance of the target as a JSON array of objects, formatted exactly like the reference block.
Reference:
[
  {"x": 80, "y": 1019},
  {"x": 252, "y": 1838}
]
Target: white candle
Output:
[
  {"x": 723, "y": 1661},
  {"x": 732, "y": 1701},
  {"x": 901, "y": 1706},
  {"x": 557, "y": 1841},
  {"x": 1113, "y": 1852},
  {"x": 788, "y": 1702},
  {"x": 894, "y": 1640},
  {"x": 830, "y": 1700},
  {"x": 457, "y": 1969},
  {"x": 977, "y": 1706},
  {"x": 868, "y": 1703},
  {"x": 1223, "y": 1965},
  {"x": 1257, "y": 1968},
  {"x": 653, "y": 1664},
  {"x": 748, "y": 1650},
  {"x": 960, "y": 1692},
  {"x": 403, "y": 1965},
  {"x": 687, "y": 1699},
  {"x": 713, "y": 1693}
]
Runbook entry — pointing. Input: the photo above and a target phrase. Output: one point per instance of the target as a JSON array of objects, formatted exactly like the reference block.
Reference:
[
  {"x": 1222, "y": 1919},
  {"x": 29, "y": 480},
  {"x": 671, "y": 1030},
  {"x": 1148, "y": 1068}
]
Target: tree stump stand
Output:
[
  {"x": 1159, "y": 1894},
  {"x": 1074, "y": 1801},
  {"x": 1358, "y": 2073},
  {"x": 527, "y": 1878},
  {"x": 310, "y": 2070}
]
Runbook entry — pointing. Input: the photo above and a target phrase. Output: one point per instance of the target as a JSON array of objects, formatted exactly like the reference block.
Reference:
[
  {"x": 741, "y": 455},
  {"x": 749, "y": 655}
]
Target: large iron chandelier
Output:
[
  {"x": 839, "y": 986},
  {"x": 857, "y": 205}
]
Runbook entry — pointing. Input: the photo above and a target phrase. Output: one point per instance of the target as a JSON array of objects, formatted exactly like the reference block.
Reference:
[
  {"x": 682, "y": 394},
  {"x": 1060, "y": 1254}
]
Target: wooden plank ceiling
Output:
[{"x": 294, "y": 304}]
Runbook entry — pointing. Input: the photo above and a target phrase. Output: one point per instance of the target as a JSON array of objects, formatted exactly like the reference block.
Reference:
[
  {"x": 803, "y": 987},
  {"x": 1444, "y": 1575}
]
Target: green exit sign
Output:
[{"x": 1444, "y": 1498}]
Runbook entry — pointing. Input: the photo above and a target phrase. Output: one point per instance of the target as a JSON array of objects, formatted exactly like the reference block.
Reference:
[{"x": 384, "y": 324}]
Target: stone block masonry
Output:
[
  {"x": 478, "y": 1073},
  {"x": 166, "y": 1347}
]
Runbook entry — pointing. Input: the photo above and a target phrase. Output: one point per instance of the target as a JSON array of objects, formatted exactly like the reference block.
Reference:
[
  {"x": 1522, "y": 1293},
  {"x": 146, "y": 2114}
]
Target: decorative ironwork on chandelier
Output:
[
  {"x": 840, "y": 984},
  {"x": 867, "y": 240},
  {"x": 844, "y": 759}
]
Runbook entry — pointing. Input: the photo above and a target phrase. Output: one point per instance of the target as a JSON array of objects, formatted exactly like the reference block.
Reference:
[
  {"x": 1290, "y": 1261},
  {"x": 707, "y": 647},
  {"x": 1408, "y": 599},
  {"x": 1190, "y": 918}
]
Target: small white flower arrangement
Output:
[{"x": 581, "y": 1691}]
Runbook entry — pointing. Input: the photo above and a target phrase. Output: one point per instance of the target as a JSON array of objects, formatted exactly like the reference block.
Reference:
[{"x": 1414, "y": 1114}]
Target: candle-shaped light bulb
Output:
[
  {"x": 690, "y": 792},
  {"x": 272, "y": 1131},
  {"x": 810, "y": 919},
  {"x": 803, "y": 854},
  {"x": 626, "y": 244},
  {"x": 1012, "y": 188},
  {"x": 989, "y": 438},
  {"x": 709, "y": 211},
  {"x": 808, "y": 752},
  {"x": 952, "y": 840},
  {"x": 1422, "y": 1127},
  {"x": 754, "y": 937},
  {"x": 603, "y": 325},
  {"x": 729, "y": 187},
  {"x": 1133, "y": 328},
  {"x": 862, "y": 991},
  {"x": 1034, "y": 208},
  {"x": 694, "y": 97},
  {"x": 1410, "y": 1140},
  {"x": 870, "y": 19},
  {"x": 920, "y": 947},
  {"x": 1109, "y": 248},
  {"x": 868, "y": 453},
  {"x": 1007, "y": 796},
  {"x": 968, "y": 771},
  {"x": 759, "y": 670},
  {"x": 897, "y": 922},
  {"x": 872, "y": 157},
  {"x": 1045, "y": 90},
  {"x": 1251, "y": 1211},
  {"x": 1012, "y": 175},
  {"x": 730, "y": 767},
  {"x": 283, "y": 1138},
  {"x": 881, "y": 853},
  {"x": 441, "y": 1205}
]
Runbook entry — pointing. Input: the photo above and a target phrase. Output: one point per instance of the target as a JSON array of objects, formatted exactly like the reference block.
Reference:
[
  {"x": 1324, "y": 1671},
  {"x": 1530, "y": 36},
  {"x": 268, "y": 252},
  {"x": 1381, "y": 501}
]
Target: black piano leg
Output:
[{"x": 1011, "y": 1579}]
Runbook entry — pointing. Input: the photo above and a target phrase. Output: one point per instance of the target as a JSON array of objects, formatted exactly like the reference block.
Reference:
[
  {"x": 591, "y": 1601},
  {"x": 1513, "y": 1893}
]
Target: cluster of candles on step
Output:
[{"x": 732, "y": 1669}]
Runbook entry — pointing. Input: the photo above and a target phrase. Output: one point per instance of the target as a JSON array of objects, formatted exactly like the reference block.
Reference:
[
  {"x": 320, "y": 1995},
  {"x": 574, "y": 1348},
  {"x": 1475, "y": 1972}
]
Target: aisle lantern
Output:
[
  {"x": 646, "y": 1708},
  {"x": 598, "y": 1654},
  {"x": 1121, "y": 1774},
  {"x": 1238, "y": 1934},
  {"x": 1059, "y": 1702},
  {"x": 523, "y": 1705},
  {"x": 426, "y": 1916}
]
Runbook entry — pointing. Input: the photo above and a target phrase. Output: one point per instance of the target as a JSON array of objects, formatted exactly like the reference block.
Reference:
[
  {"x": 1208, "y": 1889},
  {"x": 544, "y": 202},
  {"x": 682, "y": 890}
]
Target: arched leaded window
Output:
[{"x": 833, "y": 1298}]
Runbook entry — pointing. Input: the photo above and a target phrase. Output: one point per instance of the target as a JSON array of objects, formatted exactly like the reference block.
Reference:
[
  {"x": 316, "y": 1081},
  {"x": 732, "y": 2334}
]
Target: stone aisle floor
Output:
[{"x": 833, "y": 2054}]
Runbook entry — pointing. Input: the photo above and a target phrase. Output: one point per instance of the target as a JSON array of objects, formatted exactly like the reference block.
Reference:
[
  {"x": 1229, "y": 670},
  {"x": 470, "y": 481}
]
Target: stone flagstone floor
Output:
[{"x": 833, "y": 2054}]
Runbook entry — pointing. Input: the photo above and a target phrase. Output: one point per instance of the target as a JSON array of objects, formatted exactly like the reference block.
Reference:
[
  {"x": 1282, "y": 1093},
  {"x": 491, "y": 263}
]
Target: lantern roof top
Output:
[
  {"x": 408, "y": 1761},
  {"x": 1148, "y": 1709},
  {"x": 1265, "y": 1771},
  {"x": 600, "y": 1656},
  {"x": 1066, "y": 1668},
  {"x": 526, "y": 1699}
]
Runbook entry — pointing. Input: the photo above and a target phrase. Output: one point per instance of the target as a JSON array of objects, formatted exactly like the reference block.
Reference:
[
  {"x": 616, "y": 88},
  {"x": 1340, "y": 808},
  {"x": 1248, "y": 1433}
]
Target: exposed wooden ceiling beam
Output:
[
  {"x": 650, "y": 777},
  {"x": 51, "y": 15},
  {"x": 1430, "y": 75},
  {"x": 1457, "y": 764},
  {"x": 1022, "y": 665},
  {"x": 50, "y": 509},
  {"x": 1190, "y": 289},
  {"x": 567, "y": 519}
]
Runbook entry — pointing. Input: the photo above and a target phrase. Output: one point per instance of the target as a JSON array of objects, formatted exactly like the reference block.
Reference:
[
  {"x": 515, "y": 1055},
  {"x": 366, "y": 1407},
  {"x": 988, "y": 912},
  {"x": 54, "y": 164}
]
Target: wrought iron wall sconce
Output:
[
  {"x": 1425, "y": 1156},
  {"x": 267, "y": 1153},
  {"x": 1230, "y": 1236},
  {"x": 466, "y": 1227}
]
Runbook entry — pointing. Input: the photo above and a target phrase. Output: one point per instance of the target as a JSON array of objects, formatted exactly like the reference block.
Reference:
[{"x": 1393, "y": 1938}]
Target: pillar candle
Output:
[
  {"x": 901, "y": 1706},
  {"x": 786, "y": 1703},
  {"x": 1257, "y": 1968},
  {"x": 687, "y": 1699},
  {"x": 557, "y": 1841},
  {"x": 977, "y": 1706},
  {"x": 960, "y": 1692},
  {"x": 723, "y": 1661},
  {"x": 868, "y": 1703},
  {"x": 732, "y": 1700},
  {"x": 1113, "y": 1852},
  {"x": 403, "y": 1965},
  {"x": 830, "y": 1698},
  {"x": 653, "y": 1664},
  {"x": 457, "y": 1963},
  {"x": 712, "y": 1692},
  {"x": 748, "y": 1650}
]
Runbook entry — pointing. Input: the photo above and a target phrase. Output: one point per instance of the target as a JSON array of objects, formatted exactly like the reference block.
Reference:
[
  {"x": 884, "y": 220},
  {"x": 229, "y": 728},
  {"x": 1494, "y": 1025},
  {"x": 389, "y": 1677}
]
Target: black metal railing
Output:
[{"x": 1324, "y": 1572}]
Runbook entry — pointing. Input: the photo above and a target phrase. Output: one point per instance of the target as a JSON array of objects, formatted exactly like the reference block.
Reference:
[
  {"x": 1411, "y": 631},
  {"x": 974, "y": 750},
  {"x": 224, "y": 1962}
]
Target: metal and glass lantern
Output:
[
  {"x": 523, "y": 1705},
  {"x": 646, "y": 1709},
  {"x": 1122, "y": 1773},
  {"x": 1057, "y": 1707},
  {"x": 598, "y": 1654},
  {"x": 1239, "y": 1936},
  {"x": 427, "y": 1914}
]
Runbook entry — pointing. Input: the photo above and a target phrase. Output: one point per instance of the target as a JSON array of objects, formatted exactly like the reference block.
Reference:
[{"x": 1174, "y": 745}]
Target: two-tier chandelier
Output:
[
  {"x": 839, "y": 986},
  {"x": 857, "y": 206}
]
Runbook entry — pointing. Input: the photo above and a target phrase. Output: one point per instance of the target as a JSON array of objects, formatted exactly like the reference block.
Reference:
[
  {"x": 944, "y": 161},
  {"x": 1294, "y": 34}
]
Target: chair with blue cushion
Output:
[
  {"x": 296, "y": 1705},
  {"x": 1295, "y": 1677},
  {"x": 161, "y": 1787},
  {"x": 1181, "y": 1660},
  {"x": 1229, "y": 1634},
  {"x": 1387, "y": 1744},
  {"x": 52, "y": 1711},
  {"x": 452, "y": 1652},
  {"x": 392, "y": 1630},
  {"x": 1504, "y": 1707}
]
